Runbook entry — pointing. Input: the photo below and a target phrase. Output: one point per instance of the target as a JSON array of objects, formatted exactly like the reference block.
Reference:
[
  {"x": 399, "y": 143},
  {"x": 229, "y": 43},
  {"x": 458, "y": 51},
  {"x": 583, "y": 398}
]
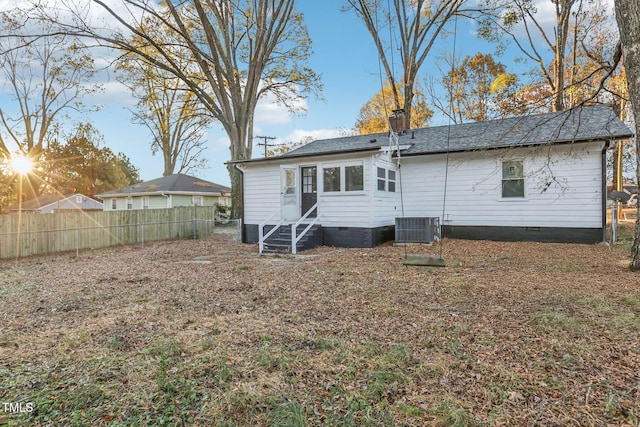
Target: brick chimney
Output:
[{"x": 396, "y": 121}]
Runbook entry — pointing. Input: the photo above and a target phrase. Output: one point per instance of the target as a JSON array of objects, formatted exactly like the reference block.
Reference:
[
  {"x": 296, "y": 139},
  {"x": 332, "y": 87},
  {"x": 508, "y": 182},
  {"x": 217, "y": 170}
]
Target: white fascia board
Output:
[{"x": 400, "y": 147}]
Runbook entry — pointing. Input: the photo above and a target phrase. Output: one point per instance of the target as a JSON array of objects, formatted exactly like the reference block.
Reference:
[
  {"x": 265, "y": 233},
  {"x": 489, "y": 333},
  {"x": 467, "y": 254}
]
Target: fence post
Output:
[
  {"x": 77, "y": 241},
  {"x": 194, "y": 229},
  {"x": 143, "y": 235}
]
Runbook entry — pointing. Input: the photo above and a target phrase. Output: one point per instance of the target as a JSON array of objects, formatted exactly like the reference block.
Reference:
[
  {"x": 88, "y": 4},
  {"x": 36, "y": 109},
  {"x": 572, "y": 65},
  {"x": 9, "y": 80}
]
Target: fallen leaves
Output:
[{"x": 209, "y": 332}]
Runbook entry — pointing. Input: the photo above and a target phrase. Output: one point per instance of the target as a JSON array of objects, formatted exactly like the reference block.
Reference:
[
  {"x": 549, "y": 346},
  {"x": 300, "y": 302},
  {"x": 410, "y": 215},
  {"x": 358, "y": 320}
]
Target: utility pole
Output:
[{"x": 265, "y": 144}]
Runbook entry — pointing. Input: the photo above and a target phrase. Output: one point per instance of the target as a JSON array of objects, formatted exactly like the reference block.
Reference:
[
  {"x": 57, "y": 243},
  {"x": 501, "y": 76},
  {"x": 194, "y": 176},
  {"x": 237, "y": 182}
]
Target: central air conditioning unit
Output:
[{"x": 417, "y": 230}]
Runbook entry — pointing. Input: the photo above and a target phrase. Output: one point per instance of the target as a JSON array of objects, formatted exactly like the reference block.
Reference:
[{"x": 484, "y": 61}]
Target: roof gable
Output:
[
  {"x": 46, "y": 200},
  {"x": 577, "y": 125}
]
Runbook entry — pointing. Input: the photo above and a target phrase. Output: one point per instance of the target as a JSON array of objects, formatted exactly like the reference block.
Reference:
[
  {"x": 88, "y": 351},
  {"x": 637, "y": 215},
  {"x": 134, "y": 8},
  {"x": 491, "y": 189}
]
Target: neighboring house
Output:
[
  {"x": 57, "y": 202},
  {"x": 167, "y": 192},
  {"x": 539, "y": 177}
]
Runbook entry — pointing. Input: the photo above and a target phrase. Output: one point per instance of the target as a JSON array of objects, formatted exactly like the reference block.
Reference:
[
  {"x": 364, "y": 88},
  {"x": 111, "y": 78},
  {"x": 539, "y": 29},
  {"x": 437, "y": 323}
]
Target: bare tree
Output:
[
  {"x": 45, "y": 78},
  {"x": 242, "y": 51},
  {"x": 628, "y": 17},
  {"x": 417, "y": 24},
  {"x": 171, "y": 112},
  {"x": 581, "y": 54}
]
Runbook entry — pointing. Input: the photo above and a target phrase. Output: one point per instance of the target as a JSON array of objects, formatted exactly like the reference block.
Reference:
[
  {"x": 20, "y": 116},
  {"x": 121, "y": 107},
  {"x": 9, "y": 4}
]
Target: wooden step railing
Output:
[{"x": 294, "y": 228}]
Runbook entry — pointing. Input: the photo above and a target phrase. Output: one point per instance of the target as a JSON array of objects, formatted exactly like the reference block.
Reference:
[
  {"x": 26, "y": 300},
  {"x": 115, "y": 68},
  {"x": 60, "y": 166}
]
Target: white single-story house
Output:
[
  {"x": 167, "y": 192},
  {"x": 51, "y": 203},
  {"x": 538, "y": 177}
]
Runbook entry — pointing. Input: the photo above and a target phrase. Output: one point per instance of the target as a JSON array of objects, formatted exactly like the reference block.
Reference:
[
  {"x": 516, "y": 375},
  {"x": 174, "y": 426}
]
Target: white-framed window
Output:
[
  {"x": 343, "y": 178},
  {"x": 145, "y": 202},
  {"x": 354, "y": 178},
  {"x": 331, "y": 179},
  {"x": 386, "y": 179},
  {"x": 197, "y": 201},
  {"x": 114, "y": 204},
  {"x": 78, "y": 200},
  {"x": 391, "y": 181},
  {"x": 513, "y": 179},
  {"x": 129, "y": 203}
]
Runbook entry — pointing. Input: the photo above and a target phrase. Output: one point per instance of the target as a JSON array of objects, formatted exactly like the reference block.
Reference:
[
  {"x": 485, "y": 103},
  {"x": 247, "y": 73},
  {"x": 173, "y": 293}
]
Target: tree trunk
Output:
[
  {"x": 628, "y": 17},
  {"x": 408, "y": 103},
  {"x": 237, "y": 192},
  {"x": 563, "y": 14},
  {"x": 241, "y": 147},
  {"x": 169, "y": 164}
]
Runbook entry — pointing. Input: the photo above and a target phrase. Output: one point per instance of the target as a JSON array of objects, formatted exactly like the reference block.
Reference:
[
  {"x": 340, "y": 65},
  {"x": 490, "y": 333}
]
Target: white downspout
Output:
[{"x": 168, "y": 197}]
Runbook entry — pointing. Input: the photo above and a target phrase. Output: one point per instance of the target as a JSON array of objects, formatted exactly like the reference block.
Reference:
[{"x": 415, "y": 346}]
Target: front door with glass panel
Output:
[
  {"x": 290, "y": 208},
  {"x": 309, "y": 189}
]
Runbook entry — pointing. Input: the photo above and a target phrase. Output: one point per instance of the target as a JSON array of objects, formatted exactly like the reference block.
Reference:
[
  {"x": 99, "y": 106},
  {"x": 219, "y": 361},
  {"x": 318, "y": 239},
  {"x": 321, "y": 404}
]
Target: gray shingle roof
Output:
[
  {"x": 577, "y": 125},
  {"x": 39, "y": 202},
  {"x": 176, "y": 183}
]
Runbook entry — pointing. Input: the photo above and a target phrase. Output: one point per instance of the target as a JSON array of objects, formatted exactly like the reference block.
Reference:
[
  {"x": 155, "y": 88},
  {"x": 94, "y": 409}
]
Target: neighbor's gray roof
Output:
[
  {"x": 176, "y": 183},
  {"x": 43, "y": 201},
  {"x": 577, "y": 125}
]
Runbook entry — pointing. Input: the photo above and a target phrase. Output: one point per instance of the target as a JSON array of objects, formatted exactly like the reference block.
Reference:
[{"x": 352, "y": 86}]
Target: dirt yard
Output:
[{"x": 210, "y": 333}]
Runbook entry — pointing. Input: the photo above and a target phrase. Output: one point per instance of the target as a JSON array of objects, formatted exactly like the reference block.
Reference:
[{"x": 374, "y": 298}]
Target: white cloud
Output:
[
  {"x": 114, "y": 93},
  {"x": 545, "y": 16},
  {"x": 270, "y": 112},
  {"x": 219, "y": 142},
  {"x": 310, "y": 135},
  {"x": 6, "y": 5}
]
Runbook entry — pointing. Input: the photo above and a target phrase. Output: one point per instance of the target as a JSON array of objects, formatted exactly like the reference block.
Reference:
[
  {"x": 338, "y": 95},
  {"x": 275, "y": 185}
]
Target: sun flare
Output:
[{"x": 21, "y": 165}]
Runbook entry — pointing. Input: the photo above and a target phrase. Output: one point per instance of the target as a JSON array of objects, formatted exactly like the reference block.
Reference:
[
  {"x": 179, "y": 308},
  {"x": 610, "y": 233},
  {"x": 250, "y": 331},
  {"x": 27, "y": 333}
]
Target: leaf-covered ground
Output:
[{"x": 210, "y": 333}]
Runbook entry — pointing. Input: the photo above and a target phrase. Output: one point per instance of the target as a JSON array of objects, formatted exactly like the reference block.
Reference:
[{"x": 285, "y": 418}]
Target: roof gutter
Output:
[{"x": 300, "y": 156}]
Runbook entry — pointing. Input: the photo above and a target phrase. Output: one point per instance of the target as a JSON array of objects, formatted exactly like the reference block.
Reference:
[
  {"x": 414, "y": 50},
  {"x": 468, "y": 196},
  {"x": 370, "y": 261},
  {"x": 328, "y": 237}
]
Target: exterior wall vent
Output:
[{"x": 417, "y": 229}]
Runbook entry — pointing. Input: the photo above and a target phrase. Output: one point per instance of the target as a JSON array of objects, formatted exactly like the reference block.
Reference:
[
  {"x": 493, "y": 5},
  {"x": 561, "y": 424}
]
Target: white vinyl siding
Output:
[
  {"x": 351, "y": 207},
  {"x": 386, "y": 204},
  {"x": 562, "y": 187},
  {"x": 337, "y": 209},
  {"x": 261, "y": 192},
  {"x": 157, "y": 201}
]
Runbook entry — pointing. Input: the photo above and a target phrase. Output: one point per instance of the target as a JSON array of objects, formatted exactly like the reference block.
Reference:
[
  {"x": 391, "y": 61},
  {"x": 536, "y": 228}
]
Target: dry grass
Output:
[{"x": 209, "y": 333}]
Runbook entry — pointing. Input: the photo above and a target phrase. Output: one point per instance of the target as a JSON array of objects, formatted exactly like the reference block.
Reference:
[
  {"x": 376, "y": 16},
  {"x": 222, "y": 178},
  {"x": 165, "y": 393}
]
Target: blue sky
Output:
[{"x": 344, "y": 55}]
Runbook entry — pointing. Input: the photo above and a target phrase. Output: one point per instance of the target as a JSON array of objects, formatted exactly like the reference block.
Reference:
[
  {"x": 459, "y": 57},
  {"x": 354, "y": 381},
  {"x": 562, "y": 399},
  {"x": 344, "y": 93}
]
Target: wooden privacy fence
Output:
[{"x": 33, "y": 234}]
